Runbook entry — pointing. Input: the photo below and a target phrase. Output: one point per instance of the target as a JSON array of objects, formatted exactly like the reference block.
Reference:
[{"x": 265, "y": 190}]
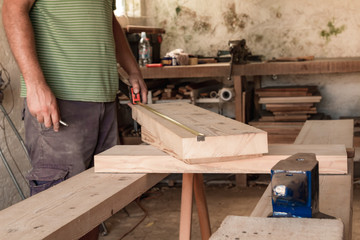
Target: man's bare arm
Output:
[
  {"x": 127, "y": 60},
  {"x": 41, "y": 101}
]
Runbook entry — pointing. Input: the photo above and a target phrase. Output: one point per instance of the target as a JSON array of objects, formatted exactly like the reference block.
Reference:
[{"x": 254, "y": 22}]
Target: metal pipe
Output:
[
  {"x": 12, "y": 175},
  {"x": 15, "y": 131}
]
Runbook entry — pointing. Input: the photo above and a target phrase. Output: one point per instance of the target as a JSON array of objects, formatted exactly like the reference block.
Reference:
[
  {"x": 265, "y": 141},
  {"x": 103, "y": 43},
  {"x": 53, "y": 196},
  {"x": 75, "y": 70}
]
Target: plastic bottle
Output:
[{"x": 144, "y": 50}]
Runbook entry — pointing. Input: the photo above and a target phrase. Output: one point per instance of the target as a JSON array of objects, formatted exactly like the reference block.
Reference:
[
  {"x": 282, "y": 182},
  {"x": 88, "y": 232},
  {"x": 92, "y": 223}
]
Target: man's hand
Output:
[
  {"x": 139, "y": 86},
  {"x": 127, "y": 61},
  {"x": 43, "y": 106}
]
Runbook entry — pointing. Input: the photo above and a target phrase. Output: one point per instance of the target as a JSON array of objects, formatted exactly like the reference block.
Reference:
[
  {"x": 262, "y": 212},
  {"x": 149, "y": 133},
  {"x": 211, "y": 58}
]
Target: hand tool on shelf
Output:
[
  {"x": 135, "y": 99},
  {"x": 240, "y": 54}
]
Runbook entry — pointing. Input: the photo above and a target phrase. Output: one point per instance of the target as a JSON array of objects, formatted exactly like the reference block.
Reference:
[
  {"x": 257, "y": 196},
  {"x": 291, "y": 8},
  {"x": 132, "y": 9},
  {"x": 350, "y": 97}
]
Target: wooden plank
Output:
[
  {"x": 284, "y": 118},
  {"x": 73, "y": 207},
  {"x": 335, "y": 200},
  {"x": 281, "y": 138},
  {"x": 187, "y": 71},
  {"x": 318, "y": 66},
  {"x": 310, "y": 111},
  {"x": 224, "y": 137},
  {"x": 260, "y": 124},
  {"x": 301, "y": 99},
  {"x": 252, "y": 228},
  {"x": 148, "y": 159},
  {"x": 327, "y": 132}
]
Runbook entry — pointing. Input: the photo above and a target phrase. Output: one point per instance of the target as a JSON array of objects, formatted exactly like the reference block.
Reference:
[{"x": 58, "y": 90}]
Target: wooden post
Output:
[
  {"x": 186, "y": 206},
  {"x": 240, "y": 179},
  {"x": 238, "y": 97},
  {"x": 257, "y": 85},
  {"x": 201, "y": 206}
]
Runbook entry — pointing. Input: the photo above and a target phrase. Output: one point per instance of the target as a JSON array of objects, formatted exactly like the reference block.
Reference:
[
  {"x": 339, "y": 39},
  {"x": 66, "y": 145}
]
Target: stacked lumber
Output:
[
  {"x": 288, "y": 103},
  {"x": 285, "y": 109},
  {"x": 186, "y": 90},
  {"x": 171, "y": 92}
]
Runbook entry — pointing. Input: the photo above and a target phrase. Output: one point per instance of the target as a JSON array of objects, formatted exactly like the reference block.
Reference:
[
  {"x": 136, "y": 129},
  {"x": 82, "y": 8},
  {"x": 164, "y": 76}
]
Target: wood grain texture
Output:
[
  {"x": 335, "y": 200},
  {"x": 148, "y": 159},
  {"x": 252, "y": 228},
  {"x": 73, "y": 207},
  {"x": 327, "y": 132},
  {"x": 224, "y": 137}
]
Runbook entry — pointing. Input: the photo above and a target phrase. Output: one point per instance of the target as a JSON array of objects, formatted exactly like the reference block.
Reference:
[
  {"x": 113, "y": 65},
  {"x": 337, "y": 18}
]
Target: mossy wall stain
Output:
[
  {"x": 234, "y": 21},
  {"x": 331, "y": 30}
]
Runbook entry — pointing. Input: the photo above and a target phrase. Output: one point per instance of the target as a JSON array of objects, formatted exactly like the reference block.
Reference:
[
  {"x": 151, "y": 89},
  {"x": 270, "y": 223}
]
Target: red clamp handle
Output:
[{"x": 135, "y": 97}]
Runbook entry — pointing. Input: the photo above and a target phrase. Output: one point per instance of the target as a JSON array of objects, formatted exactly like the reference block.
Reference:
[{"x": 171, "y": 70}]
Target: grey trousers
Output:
[{"x": 56, "y": 156}]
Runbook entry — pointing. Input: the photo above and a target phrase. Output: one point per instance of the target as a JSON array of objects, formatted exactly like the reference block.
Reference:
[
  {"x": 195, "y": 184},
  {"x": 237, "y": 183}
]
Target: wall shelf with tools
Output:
[{"x": 255, "y": 70}]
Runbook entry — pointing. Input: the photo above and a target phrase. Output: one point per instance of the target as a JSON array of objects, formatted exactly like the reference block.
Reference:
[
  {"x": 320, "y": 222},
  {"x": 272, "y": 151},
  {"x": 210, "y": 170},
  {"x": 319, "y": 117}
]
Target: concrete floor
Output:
[{"x": 162, "y": 204}]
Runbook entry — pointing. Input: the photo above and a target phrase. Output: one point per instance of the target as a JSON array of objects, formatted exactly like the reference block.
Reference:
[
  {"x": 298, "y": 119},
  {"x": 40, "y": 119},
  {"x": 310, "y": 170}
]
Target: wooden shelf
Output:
[
  {"x": 317, "y": 66},
  {"x": 187, "y": 71}
]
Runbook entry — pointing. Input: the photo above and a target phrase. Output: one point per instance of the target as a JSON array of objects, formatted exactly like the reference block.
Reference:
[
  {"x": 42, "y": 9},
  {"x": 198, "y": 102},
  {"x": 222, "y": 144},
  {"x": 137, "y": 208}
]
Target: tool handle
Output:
[{"x": 135, "y": 97}]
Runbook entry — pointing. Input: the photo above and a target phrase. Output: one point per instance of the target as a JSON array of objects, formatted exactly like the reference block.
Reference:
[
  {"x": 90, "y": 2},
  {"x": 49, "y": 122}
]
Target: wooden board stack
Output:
[
  {"x": 185, "y": 90},
  {"x": 286, "y": 110}
]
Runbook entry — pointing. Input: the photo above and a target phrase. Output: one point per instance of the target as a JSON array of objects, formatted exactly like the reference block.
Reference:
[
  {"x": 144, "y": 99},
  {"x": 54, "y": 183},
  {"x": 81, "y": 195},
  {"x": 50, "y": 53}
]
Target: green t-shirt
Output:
[{"x": 76, "y": 49}]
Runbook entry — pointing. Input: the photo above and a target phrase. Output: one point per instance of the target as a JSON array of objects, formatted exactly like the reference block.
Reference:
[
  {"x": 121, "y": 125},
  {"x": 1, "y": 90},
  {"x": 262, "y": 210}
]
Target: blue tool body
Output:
[{"x": 295, "y": 186}]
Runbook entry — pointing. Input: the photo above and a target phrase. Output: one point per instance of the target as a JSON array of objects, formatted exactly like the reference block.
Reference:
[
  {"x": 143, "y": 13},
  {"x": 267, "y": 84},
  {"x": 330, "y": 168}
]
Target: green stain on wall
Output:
[
  {"x": 331, "y": 30},
  {"x": 178, "y": 10}
]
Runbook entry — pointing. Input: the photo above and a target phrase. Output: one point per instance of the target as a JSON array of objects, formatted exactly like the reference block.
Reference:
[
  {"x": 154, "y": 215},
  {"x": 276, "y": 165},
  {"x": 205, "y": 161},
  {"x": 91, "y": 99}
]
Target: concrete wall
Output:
[
  {"x": 323, "y": 28},
  {"x": 9, "y": 144}
]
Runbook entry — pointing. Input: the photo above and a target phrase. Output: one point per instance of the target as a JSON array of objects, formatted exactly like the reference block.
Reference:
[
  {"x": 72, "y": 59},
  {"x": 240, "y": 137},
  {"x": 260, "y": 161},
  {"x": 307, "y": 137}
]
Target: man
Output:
[{"x": 67, "y": 52}]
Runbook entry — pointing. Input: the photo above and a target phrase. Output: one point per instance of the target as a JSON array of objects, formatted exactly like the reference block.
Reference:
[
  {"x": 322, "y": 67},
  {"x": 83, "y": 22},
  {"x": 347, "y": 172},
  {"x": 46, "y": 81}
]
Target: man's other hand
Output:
[
  {"x": 43, "y": 106},
  {"x": 139, "y": 86}
]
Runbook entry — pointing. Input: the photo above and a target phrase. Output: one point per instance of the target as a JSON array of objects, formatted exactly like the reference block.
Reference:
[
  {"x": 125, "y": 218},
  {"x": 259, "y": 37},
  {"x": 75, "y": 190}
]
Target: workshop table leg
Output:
[
  {"x": 186, "y": 206},
  {"x": 201, "y": 206}
]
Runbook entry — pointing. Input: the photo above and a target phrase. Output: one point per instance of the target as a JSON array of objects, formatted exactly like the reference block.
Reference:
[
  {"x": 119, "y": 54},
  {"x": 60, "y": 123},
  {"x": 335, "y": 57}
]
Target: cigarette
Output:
[{"x": 63, "y": 123}]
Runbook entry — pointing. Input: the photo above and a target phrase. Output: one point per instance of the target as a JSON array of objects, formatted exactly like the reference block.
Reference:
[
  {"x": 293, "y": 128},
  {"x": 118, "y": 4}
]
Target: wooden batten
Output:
[{"x": 224, "y": 137}]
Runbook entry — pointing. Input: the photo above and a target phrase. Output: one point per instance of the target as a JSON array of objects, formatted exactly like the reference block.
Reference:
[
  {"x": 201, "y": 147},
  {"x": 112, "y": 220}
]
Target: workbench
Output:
[
  {"x": 256, "y": 69},
  {"x": 73, "y": 207}
]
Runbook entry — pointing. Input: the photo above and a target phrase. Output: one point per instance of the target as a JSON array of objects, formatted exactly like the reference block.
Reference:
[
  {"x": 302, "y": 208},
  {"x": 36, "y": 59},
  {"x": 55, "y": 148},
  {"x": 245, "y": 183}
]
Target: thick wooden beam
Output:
[
  {"x": 148, "y": 159},
  {"x": 238, "y": 227},
  {"x": 73, "y": 207},
  {"x": 224, "y": 137},
  {"x": 327, "y": 132}
]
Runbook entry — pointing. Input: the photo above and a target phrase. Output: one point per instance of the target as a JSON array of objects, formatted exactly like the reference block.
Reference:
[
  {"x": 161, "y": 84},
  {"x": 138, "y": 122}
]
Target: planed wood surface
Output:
[
  {"x": 252, "y": 228},
  {"x": 335, "y": 200},
  {"x": 148, "y": 159},
  {"x": 327, "y": 132},
  {"x": 224, "y": 137},
  {"x": 73, "y": 207}
]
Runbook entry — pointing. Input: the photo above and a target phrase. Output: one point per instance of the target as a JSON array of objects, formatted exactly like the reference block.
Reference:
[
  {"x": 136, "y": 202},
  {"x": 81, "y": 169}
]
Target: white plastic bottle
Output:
[{"x": 144, "y": 50}]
